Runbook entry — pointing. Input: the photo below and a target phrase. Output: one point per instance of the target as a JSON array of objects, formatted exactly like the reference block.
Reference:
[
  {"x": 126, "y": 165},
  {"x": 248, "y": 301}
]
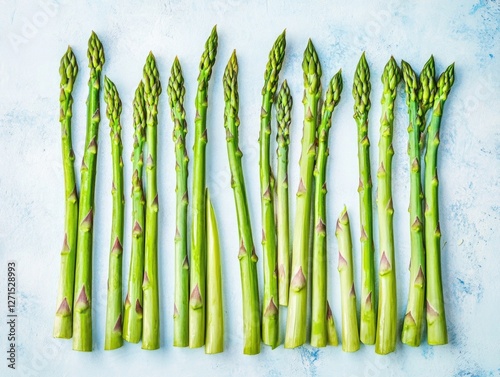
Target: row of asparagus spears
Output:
[{"x": 198, "y": 309}]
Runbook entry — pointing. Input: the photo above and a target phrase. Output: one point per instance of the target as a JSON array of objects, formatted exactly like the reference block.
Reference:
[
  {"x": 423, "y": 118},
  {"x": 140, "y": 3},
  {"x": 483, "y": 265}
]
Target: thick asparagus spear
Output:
[
  {"x": 176, "y": 92},
  {"x": 361, "y": 93},
  {"x": 82, "y": 317},
  {"x": 283, "y": 117},
  {"x": 151, "y": 308},
  {"x": 246, "y": 255},
  {"x": 113, "y": 335},
  {"x": 412, "y": 326},
  {"x": 215, "y": 313},
  {"x": 270, "y": 312},
  {"x": 297, "y": 311},
  {"x": 436, "y": 320},
  {"x": 387, "y": 298},
  {"x": 198, "y": 218},
  {"x": 132, "y": 324},
  {"x": 319, "y": 273},
  {"x": 63, "y": 324},
  {"x": 350, "y": 334}
]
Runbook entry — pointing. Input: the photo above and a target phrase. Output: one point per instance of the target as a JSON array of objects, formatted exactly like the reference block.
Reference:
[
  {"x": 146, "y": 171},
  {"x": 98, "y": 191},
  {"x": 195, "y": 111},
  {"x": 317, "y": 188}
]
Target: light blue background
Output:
[{"x": 35, "y": 34}]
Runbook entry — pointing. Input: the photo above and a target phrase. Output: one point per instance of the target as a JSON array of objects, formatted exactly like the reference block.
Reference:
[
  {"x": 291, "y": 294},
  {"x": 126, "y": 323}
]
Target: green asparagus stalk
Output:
[
  {"x": 113, "y": 335},
  {"x": 198, "y": 218},
  {"x": 319, "y": 258},
  {"x": 215, "y": 314},
  {"x": 350, "y": 334},
  {"x": 283, "y": 117},
  {"x": 412, "y": 325},
  {"x": 387, "y": 304},
  {"x": 297, "y": 311},
  {"x": 63, "y": 324},
  {"x": 411, "y": 333},
  {"x": 176, "y": 92},
  {"x": 151, "y": 311},
  {"x": 270, "y": 312},
  {"x": 132, "y": 324},
  {"x": 361, "y": 93},
  {"x": 436, "y": 320},
  {"x": 82, "y": 317},
  {"x": 246, "y": 255},
  {"x": 331, "y": 332}
]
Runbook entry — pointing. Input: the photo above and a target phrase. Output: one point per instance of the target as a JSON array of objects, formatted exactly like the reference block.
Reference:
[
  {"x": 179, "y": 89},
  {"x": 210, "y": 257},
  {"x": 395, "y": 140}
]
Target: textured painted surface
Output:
[{"x": 34, "y": 37}]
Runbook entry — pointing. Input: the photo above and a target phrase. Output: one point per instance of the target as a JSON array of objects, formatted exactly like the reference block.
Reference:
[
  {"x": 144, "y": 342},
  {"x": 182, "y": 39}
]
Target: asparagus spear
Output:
[
  {"x": 215, "y": 314},
  {"x": 198, "y": 237},
  {"x": 82, "y": 317},
  {"x": 361, "y": 93},
  {"x": 246, "y": 255},
  {"x": 387, "y": 305},
  {"x": 63, "y": 324},
  {"x": 132, "y": 324},
  {"x": 270, "y": 313},
  {"x": 283, "y": 117},
  {"x": 297, "y": 311},
  {"x": 414, "y": 313},
  {"x": 319, "y": 273},
  {"x": 436, "y": 319},
  {"x": 113, "y": 338},
  {"x": 151, "y": 313},
  {"x": 176, "y": 92},
  {"x": 331, "y": 333},
  {"x": 350, "y": 334}
]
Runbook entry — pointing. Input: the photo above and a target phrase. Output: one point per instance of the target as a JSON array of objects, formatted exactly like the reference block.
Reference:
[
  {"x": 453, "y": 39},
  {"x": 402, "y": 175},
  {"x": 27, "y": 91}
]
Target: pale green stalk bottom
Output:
[
  {"x": 215, "y": 312},
  {"x": 350, "y": 333}
]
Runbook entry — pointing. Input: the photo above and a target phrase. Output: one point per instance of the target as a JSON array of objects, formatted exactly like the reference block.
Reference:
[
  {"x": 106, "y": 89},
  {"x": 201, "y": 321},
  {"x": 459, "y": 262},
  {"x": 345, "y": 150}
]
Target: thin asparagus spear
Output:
[
  {"x": 436, "y": 319},
  {"x": 63, "y": 324},
  {"x": 283, "y": 116},
  {"x": 82, "y": 317},
  {"x": 387, "y": 302},
  {"x": 246, "y": 255},
  {"x": 412, "y": 326},
  {"x": 319, "y": 257},
  {"x": 151, "y": 308},
  {"x": 350, "y": 334},
  {"x": 215, "y": 314},
  {"x": 176, "y": 92},
  {"x": 361, "y": 93},
  {"x": 113, "y": 335},
  {"x": 198, "y": 229},
  {"x": 132, "y": 324},
  {"x": 331, "y": 332},
  {"x": 297, "y": 311},
  {"x": 270, "y": 312}
]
